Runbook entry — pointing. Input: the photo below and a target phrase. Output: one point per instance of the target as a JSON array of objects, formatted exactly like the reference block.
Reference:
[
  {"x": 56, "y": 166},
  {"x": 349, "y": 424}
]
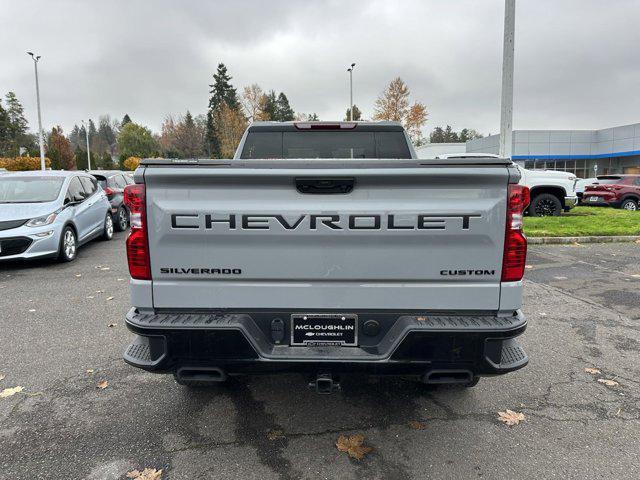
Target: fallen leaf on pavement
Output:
[
  {"x": 607, "y": 382},
  {"x": 275, "y": 434},
  {"x": 78, "y": 275},
  {"x": 416, "y": 425},
  {"x": 102, "y": 384},
  {"x": 576, "y": 244},
  {"x": 120, "y": 279},
  {"x": 90, "y": 371},
  {"x": 109, "y": 298},
  {"x": 105, "y": 269},
  {"x": 32, "y": 310},
  {"x": 592, "y": 371},
  {"x": 111, "y": 325},
  {"x": 90, "y": 296},
  {"x": 638, "y": 241},
  {"x": 146, "y": 474},
  {"x": 9, "y": 392},
  {"x": 1, "y": 377},
  {"x": 510, "y": 417},
  {"x": 353, "y": 445}
]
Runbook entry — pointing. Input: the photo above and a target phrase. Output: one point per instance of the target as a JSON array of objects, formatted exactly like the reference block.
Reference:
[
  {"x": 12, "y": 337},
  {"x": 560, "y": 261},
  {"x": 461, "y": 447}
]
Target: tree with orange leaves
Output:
[{"x": 393, "y": 105}]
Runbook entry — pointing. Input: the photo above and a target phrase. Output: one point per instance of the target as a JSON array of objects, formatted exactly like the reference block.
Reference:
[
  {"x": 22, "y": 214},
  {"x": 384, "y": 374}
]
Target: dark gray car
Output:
[{"x": 113, "y": 183}]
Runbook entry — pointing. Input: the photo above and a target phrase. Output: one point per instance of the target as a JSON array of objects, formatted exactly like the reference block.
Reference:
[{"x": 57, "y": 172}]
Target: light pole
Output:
[
  {"x": 40, "y": 134},
  {"x": 86, "y": 132},
  {"x": 506, "y": 108},
  {"x": 350, "y": 70}
]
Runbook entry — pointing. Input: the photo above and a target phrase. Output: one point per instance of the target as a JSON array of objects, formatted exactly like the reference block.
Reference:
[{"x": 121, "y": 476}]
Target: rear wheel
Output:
[
  {"x": 107, "y": 233},
  {"x": 472, "y": 383},
  {"x": 545, "y": 205},
  {"x": 68, "y": 245},
  {"x": 121, "y": 219},
  {"x": 629, "y": 204}
]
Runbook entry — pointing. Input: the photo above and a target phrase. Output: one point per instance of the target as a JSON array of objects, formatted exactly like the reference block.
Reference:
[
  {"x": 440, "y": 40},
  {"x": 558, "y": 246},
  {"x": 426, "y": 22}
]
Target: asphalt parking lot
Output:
[{"x": 62, "y": 332}]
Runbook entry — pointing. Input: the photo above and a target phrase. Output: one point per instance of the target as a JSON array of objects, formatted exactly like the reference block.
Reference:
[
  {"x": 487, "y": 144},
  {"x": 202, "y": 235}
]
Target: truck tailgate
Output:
[{"x": 419, "y": 237}]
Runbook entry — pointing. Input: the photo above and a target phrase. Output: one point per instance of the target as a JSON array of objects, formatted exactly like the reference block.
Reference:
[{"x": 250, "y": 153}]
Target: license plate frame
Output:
[{"x": 342, "y": 329}]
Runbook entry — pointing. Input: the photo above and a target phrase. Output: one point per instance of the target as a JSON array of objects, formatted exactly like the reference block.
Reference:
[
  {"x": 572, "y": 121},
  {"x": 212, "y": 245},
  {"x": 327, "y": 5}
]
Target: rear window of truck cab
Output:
[{"x": 325, "y": 144}]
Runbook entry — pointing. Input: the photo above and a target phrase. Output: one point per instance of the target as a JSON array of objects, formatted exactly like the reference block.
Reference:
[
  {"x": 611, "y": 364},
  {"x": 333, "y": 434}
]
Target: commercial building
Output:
[{"x": 584, "y": 152}]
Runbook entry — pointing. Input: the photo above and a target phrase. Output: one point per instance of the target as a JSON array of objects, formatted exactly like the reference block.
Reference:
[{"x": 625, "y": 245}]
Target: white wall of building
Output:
[{"x": 432, "y": 150}]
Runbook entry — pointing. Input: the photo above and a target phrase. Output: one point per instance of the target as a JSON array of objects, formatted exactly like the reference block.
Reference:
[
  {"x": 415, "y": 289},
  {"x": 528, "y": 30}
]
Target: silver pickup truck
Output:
[{"x": 326, "y": 249}]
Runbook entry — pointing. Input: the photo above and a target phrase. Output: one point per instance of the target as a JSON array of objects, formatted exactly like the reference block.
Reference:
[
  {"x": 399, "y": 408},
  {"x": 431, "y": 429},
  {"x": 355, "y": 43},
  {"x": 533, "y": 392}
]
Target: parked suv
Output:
[
  {"x": 113, "y": 183},
  {"x": 50, "y": 214},
  {"x": 619, "y": 191}
]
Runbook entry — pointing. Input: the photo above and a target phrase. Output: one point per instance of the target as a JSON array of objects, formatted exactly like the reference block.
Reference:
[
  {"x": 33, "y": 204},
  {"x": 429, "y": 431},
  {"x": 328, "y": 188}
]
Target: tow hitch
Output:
[{"x": 324, "y": 384}]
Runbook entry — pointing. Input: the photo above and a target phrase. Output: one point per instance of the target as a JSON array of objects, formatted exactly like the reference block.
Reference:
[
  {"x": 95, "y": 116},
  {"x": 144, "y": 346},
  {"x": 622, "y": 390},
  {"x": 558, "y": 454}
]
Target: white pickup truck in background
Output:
[{"x": 552, "y": 191}]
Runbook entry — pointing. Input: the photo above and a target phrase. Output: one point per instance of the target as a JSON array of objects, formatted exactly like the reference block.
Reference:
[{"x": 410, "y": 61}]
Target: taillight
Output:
[
  {"x": 137, "y": 242},
  {"x": 515, "y": 242}
]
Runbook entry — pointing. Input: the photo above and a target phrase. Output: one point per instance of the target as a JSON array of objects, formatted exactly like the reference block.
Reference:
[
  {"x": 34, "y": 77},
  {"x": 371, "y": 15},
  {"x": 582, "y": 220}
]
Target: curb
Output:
[{"x": 592, "y": 239}]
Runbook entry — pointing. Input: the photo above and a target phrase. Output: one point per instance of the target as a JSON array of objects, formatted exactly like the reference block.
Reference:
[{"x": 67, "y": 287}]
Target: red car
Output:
[{"x": 619, "y": 191}]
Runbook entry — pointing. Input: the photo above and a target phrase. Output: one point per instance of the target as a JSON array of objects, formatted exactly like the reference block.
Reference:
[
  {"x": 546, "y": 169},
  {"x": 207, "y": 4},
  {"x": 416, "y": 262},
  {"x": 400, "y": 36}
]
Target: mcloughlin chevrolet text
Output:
[{"x": 327, "y": 249}]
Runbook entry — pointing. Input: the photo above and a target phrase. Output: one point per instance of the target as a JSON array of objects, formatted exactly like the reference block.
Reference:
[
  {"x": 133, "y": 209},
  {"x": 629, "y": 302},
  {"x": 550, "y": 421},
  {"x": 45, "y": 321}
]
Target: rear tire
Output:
[
  {"x": 107, "y": 232},
  {"x": 629, "y": 204},
  {"x": 473, "y": 382},
  {"x": 68, "y": 245},
  {"x": 121, "y": 219},
  {"x": 545, "y": 205}
]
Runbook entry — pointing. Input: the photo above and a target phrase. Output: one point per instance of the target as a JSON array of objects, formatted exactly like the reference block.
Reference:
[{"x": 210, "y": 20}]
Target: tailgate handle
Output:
[{"x": 324, "y": 186}]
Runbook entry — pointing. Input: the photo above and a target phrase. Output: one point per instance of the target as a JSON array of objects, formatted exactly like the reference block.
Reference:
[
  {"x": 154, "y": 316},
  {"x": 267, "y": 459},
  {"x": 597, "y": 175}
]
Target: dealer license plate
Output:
[
  {"x": 324, "y": 329},
  {"x": 594, "y": 199}
]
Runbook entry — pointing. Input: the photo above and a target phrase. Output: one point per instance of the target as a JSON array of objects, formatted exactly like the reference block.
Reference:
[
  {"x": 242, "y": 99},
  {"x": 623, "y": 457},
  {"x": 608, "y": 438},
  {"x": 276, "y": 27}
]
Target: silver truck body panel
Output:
[{"x": 447, "y": 218}]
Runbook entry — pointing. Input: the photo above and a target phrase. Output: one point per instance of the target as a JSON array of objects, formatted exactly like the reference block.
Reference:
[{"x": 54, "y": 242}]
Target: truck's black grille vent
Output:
[
  {"x": 14, "y": 246},
  {"x": 7, "y": 225}
]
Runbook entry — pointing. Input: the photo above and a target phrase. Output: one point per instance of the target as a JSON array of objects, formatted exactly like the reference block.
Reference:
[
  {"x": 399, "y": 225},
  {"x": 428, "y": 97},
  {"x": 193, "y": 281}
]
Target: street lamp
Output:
[
  {"x": 350, "y": 70},
  {"x": 86, "y": 132},
  {"x": 40, "y": 134}
]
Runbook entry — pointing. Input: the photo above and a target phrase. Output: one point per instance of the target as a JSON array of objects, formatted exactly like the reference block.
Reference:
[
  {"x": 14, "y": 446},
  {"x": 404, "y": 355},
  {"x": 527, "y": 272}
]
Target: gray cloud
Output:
[{"x": 575, "y": 60}]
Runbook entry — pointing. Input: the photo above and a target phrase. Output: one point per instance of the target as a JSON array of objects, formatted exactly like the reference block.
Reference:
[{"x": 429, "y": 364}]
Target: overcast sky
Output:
[{"x": 576, "y": 63}]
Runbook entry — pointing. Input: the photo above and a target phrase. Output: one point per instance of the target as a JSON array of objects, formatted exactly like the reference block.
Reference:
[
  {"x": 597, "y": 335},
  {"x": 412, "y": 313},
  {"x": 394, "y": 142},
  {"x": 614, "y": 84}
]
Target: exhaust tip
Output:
[
  {"x": 201, "y": 374},
  {"x": 438, "y": 377}
]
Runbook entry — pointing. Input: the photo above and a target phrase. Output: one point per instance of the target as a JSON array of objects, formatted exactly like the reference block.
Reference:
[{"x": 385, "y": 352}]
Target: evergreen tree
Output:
[
  {"x": 15, "y": 112},
  {"x": 82, "y": 137},
  {"x": 270, "y": 107},
  {"x": 357, "y": 114},
  {"x": 81, "y": 157},
  {"x": 5, "y": 136},
  {"x": 126, "y": 119},
  {"x": 75, "y": 138},
  {"x": 15, "y": 125},
  {"x": 222, "y": 92},
  {"x": 284, "y": 112},
  {"x": 102, "y": 162}
]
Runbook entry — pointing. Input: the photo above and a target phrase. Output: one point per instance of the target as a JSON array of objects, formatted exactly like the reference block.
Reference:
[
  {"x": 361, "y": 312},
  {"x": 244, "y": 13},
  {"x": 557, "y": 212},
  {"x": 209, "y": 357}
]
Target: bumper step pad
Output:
[
  {"x": 145, "y": 352},
  {"x": 506, "y": 355}
]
